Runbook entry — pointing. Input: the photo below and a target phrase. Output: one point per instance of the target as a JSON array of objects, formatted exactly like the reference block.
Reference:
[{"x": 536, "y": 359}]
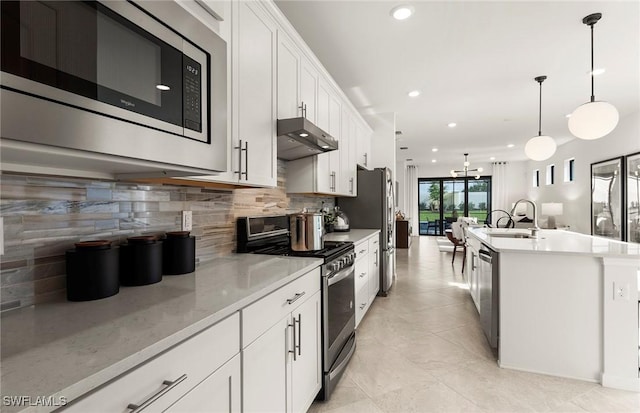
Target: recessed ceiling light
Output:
[
  {"x": 510, "y": 145},
  {"x": 598, "y": 71},
  {"x": 402, "y": 12},
  {"x": 304, "y": 135},
  {"x": 493, "y": 158},
  {"x": 163, "y": 87},
  {"x": 568, "y": 115},
  {"x": 434, "y": 149},
  {"x": 452, "y": 125},
  {"x": 433, "y": 161},
  {"x": 414, "y": 93}
]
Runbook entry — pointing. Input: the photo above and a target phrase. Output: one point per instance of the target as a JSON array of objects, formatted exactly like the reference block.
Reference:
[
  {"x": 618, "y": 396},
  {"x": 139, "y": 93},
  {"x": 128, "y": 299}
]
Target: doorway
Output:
[{"x": 442, "y": 200}]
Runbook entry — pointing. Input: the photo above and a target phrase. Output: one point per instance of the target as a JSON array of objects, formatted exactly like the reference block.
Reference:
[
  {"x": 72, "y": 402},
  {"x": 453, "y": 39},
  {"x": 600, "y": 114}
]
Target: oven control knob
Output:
[{"x": 334, "y": 266}]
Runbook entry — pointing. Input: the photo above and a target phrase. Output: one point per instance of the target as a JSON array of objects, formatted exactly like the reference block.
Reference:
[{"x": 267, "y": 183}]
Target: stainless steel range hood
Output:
[{"x": 299, "y": 138}]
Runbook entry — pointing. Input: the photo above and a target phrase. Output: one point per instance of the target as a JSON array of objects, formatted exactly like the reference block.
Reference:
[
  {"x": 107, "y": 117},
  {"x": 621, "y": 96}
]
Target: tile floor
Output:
[{"x": 421, "y": 349}]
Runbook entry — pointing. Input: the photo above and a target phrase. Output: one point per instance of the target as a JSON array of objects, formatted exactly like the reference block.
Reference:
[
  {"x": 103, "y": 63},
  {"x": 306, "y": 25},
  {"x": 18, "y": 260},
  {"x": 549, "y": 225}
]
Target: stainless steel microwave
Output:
[{"x": 141, "y": 80}]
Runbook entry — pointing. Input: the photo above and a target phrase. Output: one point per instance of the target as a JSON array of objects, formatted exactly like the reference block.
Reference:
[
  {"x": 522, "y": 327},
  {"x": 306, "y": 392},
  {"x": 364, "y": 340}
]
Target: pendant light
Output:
[
  {"x": 594, "y": 119},
  {"x": 540, "y": 147},
  {"x": 465, "y": 169}
]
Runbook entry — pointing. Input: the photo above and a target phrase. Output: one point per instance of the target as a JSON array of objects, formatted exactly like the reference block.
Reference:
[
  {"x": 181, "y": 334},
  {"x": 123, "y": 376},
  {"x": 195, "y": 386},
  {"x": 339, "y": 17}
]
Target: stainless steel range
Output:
[{"x": 270, "y": 235}]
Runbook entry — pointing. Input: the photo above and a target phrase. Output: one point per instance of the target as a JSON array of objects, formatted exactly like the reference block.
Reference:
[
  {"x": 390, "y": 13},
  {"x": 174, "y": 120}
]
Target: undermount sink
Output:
[{"x": 510, "y": 235}]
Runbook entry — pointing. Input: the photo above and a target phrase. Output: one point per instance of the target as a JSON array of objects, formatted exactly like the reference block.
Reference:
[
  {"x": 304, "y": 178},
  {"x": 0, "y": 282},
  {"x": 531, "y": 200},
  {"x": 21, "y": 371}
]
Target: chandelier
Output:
[{"x": 465, "y": 170}]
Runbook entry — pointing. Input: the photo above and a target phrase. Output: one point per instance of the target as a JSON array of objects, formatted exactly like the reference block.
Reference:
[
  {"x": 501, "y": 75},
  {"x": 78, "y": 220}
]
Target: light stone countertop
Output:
[
  {"x": 354, "y": 235},
  {"x": 69, "y": 348},
  {"x": 556, "y": 242}
]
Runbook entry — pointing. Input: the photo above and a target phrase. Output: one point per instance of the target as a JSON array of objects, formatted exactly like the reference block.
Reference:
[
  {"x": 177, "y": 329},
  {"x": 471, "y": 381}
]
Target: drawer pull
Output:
[
  {"x": 361, "y": 251},
  {"x": 293, "y": 339},
  {"x": 295, "y": 298},
  {"x": 135, "y": 408},
  {"x": 362, "y": 274},
  {"x": 363, "y": 306}
]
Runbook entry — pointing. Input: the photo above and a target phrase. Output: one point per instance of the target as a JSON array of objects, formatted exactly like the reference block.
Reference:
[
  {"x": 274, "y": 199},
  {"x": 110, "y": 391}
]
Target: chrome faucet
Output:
[{"x": 536, "y": 228}]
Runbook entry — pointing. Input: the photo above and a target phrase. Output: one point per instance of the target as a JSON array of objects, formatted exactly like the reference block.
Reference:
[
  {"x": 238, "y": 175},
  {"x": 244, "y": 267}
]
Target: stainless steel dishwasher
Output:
[{"x": 488, "y": 283}]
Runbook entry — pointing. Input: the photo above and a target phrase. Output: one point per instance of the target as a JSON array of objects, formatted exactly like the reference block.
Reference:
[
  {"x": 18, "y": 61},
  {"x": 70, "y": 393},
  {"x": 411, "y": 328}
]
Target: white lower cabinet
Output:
[
  {"x": 367, "y": 277},
  {"x": 158, "y": 384},
  {"x": 473, "y": 246},
  {"x": 218, "y": 393},
  {"x": 281, "y": 368}
]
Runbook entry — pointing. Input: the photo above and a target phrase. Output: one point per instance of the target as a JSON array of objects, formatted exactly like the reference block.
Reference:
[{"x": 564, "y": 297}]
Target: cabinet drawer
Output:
[
  {"x": 194, "y": 359},
  {"x": 362, "y": 249},
  {"x": 264, "y": 313},
  {"x": 362, "y": 274},
  {"x": 374, "y": 243},
  {"x": 362, "y": 303}
]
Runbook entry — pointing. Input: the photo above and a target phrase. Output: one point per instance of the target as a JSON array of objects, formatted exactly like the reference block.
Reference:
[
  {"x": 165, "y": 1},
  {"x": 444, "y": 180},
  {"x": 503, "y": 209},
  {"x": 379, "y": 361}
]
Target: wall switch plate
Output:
[
  {"x": 620, "y": 291},
  {"x": 187, "y": 220}
]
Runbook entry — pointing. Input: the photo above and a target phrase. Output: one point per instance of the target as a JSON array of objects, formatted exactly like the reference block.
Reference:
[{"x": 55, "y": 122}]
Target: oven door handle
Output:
[{"x": 340, "y": 275}]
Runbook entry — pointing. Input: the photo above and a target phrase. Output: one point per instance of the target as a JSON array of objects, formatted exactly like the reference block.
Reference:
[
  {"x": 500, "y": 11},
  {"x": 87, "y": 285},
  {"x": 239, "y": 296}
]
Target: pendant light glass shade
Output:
[
  {"x": 593, "y": 120},
  {"x": 540, "y": 148}
]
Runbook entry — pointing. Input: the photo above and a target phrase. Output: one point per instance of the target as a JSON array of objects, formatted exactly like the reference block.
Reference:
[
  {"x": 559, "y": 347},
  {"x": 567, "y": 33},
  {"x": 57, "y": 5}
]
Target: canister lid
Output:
[
  {"x": 143, "y": 239},
  {"x": 100, "y": 244},
  {"x": 178, "y": 234}
]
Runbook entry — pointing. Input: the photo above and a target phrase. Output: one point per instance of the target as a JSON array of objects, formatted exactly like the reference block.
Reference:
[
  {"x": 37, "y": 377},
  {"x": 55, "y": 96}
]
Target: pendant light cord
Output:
[
  {"x": 540, "y": 112},
  {"x": 593, "y": 97}
]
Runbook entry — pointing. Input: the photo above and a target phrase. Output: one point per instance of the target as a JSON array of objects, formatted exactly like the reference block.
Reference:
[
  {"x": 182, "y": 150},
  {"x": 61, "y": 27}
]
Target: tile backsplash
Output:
[{"x": 45, "y": 216}]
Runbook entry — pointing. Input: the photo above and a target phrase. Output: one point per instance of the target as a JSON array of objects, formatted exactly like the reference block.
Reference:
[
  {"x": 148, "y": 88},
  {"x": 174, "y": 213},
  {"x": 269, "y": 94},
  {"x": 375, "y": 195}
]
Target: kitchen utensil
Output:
[
  {"x": 92, "y": 271},
  {"x": 307, "y": 231},
  {"x": 341, "y": 221},
  {"x": 141, "y": 261},
  {"x": 179, "y": 253}
]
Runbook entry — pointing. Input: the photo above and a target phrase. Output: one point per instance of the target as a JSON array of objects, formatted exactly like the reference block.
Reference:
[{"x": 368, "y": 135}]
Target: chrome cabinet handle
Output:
[
  {"x": 334, "y": 181},
  {"x": 363, "y": 274},
  {"x": 363, "y": 306},
  {"x": 351, "y": 185},
  {"x": 473, "y": 261},
  {"x": 365, "y": 159},
  {"x": 294, "y": 338},
  {"x": 361, "y": 251},
  {"x": 239, "y": 147},
  {"x": 376, "y": 252},
  {"x": 303, "y": 109},
  {"x": 135, "y": 408},
  {"x": 246, "y": 160},
  {"x": 295, "y": 298},
  {"x": 230, "y": 394},
  {"x": 299, "y": 346}
]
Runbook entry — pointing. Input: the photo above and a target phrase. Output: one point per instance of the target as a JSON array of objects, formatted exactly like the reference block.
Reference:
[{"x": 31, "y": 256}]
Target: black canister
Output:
[
  {"x": 141, "y": 261},
  {"x": 179, "y": 253},
  {"x": 92, "y": 271}
]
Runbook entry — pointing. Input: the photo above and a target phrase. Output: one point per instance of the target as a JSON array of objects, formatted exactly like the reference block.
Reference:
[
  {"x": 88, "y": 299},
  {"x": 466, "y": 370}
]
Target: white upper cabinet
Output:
[
  {"x": 363, "y": 146},
  {"x": 288, "y": 78},
  {"x": 308, "y": 89}
]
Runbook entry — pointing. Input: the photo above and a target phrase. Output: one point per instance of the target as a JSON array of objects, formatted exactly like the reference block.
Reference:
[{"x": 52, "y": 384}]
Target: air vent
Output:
[
  {"x": 404, "y": 148},
  {"x": 409, "y": 159},
  {"x": 398, "y": 132}
]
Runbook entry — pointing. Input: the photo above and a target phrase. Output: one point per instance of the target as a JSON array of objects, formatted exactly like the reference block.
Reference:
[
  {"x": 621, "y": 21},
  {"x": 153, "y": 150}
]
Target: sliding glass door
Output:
[{"x": 442, "y": 200}]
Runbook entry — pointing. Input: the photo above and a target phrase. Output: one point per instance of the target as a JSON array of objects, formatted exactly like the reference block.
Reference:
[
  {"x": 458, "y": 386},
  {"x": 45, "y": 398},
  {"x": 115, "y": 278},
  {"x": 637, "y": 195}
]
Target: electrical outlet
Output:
[
  {"x": 187, "y": 220},
  {"x": 620, "y": 291}
]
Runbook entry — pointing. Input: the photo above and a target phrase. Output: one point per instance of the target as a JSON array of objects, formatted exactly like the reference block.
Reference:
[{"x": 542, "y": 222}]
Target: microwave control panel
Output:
[{"x": 192, "y": 94}]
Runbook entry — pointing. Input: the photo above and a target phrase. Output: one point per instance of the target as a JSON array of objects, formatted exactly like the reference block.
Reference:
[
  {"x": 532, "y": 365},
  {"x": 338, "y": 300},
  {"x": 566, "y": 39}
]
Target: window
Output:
[
  {"x": 442, "y": 200},
  {"x": 551, "y": 171},
  {"x": 536, "y": 178},
  {"x": 569, "y": 169}
]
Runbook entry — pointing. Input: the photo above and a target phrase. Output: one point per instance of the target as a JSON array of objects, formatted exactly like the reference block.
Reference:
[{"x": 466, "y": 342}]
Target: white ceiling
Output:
[{"x": 475, "y": 63}]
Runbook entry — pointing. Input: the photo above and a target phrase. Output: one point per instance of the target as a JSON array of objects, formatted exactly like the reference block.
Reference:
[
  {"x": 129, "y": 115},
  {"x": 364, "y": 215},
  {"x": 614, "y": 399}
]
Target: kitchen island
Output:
[{"x": 568, "y": 304}]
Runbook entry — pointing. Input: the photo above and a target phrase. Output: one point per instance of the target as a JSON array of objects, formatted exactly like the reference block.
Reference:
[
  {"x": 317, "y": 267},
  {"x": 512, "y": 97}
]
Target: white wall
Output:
[
  {"x": 383, "y": 141},
  {"x": 576, "y": 196}
]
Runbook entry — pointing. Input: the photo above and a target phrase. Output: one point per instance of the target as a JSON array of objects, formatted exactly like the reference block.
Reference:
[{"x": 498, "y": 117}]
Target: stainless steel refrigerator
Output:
[{"x": 374, "y": 207}]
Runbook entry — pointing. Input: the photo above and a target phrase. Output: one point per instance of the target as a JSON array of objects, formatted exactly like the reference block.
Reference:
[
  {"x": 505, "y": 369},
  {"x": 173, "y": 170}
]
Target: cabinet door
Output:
[
  {"x": 335, "y": 129},
  {"x": 254, "y": 107},
  {"x": 374, "y": 267},
  {"x": 306, "y": 368},
  {"x": 362, "y": 303},
  {"x": 325, "y": 171},
  {"x": 347, "y": 154},
  {"x": 288, "y": 78},
  {"x": 220, "y": 392},
  {"x": 308, "y": 89},
  {"x": 265, "y": 370}
]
